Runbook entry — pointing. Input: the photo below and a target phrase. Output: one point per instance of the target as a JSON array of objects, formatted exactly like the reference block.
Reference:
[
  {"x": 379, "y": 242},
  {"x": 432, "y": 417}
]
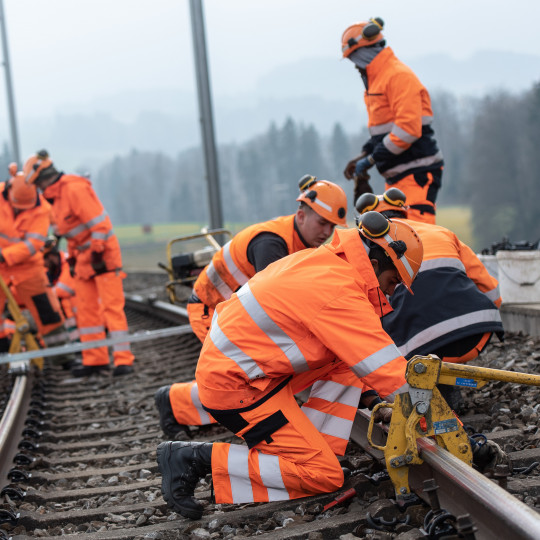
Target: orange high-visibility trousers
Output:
[
  {"x": 186, "y": 405},
  {"x": 420, "y": 198},
  {"x": 291, "y": 462},
  {"x": 332, "y": 404},
  {"x": 200, "y": 317},
  {"x": 100, "y": 306}
]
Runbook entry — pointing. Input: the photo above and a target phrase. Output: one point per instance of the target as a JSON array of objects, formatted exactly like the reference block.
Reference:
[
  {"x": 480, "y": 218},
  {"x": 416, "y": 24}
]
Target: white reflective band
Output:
[
  {"x": 35, "y": 236},
  {"x": 85, "y": 330},
  {"x": 494, "y": 294},
  {"x": 205, "y": 417},
  {"x": 450, "y": 325},
  {"x": 392, "y": 147},
  {"x": 30, "y": 247},
  {"x": 336, "y": 393},
  {"x": 376, "y": 360},
  {"x": 415, "y": 163},
  {"x": 231, "y": 351},
  {"x": 238, "y": 469},
  {"x": 65, "y": 288},
  {"x": 442, "y": 262},
  {"x": 327, "y": 207},
  {"x": 330, "y": 424},
  {"x": 381, "y": 129},
  {"x": 272, "y": 330},
  {"x": 217, "y": 282},
  {"x": 235, "y": 272},
  {"x": 271, "y": 477},
  {"x": 403, "y": 135}
]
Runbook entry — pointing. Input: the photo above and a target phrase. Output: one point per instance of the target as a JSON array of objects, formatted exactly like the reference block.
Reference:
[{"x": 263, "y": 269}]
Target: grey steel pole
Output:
[
  {"x": 9, "y": 90},
  {"x": 205, "y": 112}
]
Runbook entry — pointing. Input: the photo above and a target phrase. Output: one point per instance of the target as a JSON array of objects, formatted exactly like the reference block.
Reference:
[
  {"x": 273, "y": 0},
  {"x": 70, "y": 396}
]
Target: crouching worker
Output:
[
  {"x": 24, "y": 222},
  {"x": 310, "y": 319}
]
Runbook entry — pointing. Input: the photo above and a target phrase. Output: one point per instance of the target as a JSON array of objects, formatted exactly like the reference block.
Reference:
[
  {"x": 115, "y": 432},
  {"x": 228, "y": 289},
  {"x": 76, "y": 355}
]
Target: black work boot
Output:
[
  {"x": 170, "y": 427},
  {"x": 182, "y": 465},
  {"x": 452, "y": 395}
]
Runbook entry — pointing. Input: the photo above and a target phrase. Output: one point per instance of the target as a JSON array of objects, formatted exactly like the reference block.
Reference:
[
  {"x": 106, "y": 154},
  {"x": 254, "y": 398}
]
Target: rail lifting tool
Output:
[
  {"x": 23, "y": 339},
  {"x": 423, "y": 412}
]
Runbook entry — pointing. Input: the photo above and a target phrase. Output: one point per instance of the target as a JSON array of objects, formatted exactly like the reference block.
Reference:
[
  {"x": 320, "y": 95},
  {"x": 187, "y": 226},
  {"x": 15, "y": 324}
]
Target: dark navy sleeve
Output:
[{"x": 266, "y": 248}]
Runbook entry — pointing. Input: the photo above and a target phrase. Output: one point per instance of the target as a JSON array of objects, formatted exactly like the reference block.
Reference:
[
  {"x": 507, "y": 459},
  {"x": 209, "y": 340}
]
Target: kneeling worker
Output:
[
  {"x": 323, "y": 205},
  {"x": 310, "y": 319}
]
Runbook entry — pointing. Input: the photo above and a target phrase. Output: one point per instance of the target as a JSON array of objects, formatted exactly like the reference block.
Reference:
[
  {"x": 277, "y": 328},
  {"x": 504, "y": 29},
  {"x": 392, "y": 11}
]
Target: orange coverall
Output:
[
  {"x": 22, "y": 237},
  {"x": 310, "y": 318},
  {"x": 228, "y": 271},
  {"x": 80, "y": 217},
  {"x": 402, "y": 140}
]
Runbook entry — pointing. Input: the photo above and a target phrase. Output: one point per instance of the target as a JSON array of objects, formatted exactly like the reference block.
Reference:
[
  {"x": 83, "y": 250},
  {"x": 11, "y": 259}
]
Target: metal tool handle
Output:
[{"x": 372, "y": 423}]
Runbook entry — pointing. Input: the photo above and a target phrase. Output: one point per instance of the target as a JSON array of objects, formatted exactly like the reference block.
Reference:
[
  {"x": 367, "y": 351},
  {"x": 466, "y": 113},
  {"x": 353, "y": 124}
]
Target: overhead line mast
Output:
[
  {"x": 206, "y": 118},
  {"x": 9, "y": 90}
]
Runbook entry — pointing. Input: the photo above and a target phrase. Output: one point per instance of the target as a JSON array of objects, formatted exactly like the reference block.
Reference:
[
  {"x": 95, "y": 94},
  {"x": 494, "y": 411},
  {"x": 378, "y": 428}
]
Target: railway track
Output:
[{"x": 79, "y": 459}]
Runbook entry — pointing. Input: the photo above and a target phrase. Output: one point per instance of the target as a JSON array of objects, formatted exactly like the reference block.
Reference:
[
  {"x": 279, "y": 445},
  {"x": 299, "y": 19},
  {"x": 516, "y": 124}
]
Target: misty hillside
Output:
[{"x": 318, "y": 91}]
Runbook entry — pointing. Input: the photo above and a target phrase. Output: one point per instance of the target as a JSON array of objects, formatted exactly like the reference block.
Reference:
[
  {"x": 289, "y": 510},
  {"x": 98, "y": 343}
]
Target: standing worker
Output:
[
  {"x": 95, "y": 258},
  {"x": 313, "y": 318},
  {"x": 454, "y": 310},
  {"x": 402, "y": 144},
  {"x": 24, "y": 223},
  {"x": 323, "y": 205}
]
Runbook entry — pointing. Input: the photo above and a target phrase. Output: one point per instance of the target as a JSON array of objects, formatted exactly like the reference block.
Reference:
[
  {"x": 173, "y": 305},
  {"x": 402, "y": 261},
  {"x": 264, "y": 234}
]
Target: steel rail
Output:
[
  {"x": 12, "y": 421},
  {"x": 462, "y": 490}
]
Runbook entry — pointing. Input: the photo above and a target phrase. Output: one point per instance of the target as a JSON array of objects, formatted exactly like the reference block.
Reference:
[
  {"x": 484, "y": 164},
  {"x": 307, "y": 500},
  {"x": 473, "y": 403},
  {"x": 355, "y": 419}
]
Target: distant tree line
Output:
[{"x": 491, "y": 164}]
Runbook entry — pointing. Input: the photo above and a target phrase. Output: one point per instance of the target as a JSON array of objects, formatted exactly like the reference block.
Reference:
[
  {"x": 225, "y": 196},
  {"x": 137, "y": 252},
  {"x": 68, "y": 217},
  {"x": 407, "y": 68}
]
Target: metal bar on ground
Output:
[{"x": 76, "y": 347}]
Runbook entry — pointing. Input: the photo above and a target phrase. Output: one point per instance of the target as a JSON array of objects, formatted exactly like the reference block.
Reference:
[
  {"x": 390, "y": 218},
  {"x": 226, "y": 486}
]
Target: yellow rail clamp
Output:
[
  {"x": 423, "y": 412},
  {"x": 22, "y": 339}
]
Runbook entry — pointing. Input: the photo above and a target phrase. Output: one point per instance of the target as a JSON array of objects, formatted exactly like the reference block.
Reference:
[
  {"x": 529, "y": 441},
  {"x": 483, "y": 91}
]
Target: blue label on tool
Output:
[
  {"x": 445, "y": 426},
  {"x": 466, "y": 382}
]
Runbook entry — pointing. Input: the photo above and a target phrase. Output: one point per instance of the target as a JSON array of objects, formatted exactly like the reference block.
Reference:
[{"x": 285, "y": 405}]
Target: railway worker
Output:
[
  {"x": 402, "y": 144},
  {"x": 311, "y": 319},
  {"x": 95, "y": 259},
  {"x": 63, "y": 285},
  {"x": 24, "y": 222},
  {"x": 454, "y": 310},
  {"x": 322, "y": 206}
]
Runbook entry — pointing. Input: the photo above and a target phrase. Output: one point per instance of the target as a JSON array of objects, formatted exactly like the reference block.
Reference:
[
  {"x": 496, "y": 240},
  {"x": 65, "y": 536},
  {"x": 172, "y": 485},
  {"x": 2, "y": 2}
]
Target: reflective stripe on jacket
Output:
[
  {"x": 22, "y": 236},
  {"x": 80, "y": 217},
  {"x": 230, "y": 268},
  {"x": 300, "y": 313},
  {"x": 399, "y": 119},
  {"x": 454, "y": 296}
]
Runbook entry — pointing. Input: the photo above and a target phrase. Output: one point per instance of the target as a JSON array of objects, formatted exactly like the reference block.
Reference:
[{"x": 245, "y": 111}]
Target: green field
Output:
[{"x": 142, "y": 250}]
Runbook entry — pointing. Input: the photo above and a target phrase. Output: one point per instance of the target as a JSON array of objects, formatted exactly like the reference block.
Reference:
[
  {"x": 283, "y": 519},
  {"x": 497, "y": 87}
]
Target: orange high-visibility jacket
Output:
[
  {"x": 300, "y": 313},
  {"x": 22, "y": 237},
  {"x": 230, "y": 268},
  {"x": 81, "y": 218},
  {"x": 399, "y": 119},
  {"x": 454, "y": 296}
]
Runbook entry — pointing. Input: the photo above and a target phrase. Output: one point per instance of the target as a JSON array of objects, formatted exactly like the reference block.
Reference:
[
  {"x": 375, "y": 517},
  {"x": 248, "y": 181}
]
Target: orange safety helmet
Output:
[
  {"x": 398, "y": 239},
  {"x": 22, "y": 195},
  {"x": 325, "y": 198},
  {"x": 392, "y": 199},
  {"x": 35, "y": 165},
  {"x": 361, "y": 34}
]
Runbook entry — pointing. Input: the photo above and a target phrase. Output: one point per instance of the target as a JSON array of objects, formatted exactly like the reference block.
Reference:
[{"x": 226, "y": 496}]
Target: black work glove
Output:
[
  {"x": 97, "y": 262},
  {"x": 2, "y": 258},
  {"x": 71, "y": 263}
]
